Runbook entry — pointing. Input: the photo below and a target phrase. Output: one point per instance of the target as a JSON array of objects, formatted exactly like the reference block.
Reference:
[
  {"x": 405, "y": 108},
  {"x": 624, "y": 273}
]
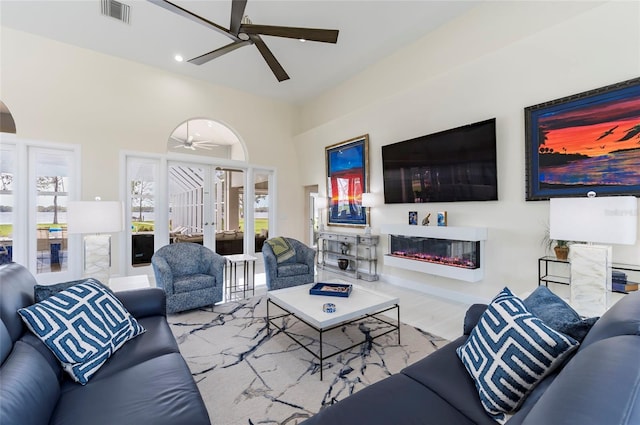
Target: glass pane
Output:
[
  {"x": 186, "y": 203},
  {"x": 7, "y": 173},
  {"x": 52, "y": 183},
  {"x": 261, "y": 209},
  {"x": 229, "y": 211},
  {"x": 142, "y": 186}
]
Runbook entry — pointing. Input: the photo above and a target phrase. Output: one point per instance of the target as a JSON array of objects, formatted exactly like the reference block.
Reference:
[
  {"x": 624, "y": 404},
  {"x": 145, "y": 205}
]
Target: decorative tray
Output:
[{"x": 331, "y": 289}]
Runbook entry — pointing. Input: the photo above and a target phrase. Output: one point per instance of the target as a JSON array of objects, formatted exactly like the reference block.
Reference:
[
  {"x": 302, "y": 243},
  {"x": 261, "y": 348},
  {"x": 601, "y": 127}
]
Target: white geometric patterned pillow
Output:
[
  {"x": 83, "y": 326},
  {"x": 509, "y": 352}
]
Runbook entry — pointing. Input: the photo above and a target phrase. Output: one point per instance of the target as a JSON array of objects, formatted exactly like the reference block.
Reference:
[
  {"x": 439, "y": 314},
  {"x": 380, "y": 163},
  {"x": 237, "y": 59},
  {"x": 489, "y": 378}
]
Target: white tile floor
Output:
[{"x": 435, "y": 315}]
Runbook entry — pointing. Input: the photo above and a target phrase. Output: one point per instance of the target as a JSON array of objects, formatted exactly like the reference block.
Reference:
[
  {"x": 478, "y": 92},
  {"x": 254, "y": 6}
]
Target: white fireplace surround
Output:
[{"x": 473, "y": 234}]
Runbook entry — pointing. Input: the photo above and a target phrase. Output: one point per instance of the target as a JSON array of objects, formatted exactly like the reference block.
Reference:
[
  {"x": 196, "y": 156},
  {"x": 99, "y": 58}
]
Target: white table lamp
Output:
[
  {"x": 605, "y": 220},
  {"x": 96, "y": 220},
  {"x": 368, "y": 201}
]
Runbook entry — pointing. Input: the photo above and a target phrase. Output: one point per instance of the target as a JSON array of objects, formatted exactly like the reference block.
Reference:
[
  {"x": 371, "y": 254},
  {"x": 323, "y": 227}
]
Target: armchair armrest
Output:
[
  {"x": 310, "y": 257},
  {"x": 216, "y": 267},
  {"x": 472, "y": 316},
  {"x": 270, "y": 261},
  {"x": 144, "y": 302},
  {"x": 163, "y": 273}
]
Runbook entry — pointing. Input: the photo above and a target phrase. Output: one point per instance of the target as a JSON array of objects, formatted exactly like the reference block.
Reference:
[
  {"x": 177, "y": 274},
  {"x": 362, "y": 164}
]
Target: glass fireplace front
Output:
[{"x": 449, "y": 252}]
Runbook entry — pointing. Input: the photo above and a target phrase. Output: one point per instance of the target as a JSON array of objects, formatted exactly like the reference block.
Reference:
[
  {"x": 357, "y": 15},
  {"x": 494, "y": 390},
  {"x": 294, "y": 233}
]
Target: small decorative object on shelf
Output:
[
  {"x": 425, "y": 221},
  {"x": 343, "y": 263},
  {"x": 562, "y": 250},
  {"x": 331, "y": 289},
  {"x": 442, "y": 218},
  {"x": 413, "y": 217}
]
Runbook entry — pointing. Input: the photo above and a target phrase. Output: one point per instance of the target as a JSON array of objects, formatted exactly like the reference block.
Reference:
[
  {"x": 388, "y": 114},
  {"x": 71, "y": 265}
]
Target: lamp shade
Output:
[
  {"x": 609, "y": 220},
  {"x": 368, "y": 199},
  {"x": 95, "y": 217}
]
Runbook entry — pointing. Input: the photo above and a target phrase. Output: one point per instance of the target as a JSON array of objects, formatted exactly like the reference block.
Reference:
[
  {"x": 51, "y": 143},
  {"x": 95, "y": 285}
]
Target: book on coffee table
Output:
[{"x": 331, "y": 289}]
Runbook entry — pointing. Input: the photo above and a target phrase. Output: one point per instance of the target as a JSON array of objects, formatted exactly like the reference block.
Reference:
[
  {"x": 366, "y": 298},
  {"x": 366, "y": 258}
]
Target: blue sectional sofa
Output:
[
  {"x": 598, "y": 385},
  {"x": 146, "y": 381}
]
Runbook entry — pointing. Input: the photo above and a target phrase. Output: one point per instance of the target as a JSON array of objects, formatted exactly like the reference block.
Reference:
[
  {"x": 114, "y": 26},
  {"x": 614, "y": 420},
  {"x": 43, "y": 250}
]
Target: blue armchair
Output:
[
  {"x": 191, "y": 275},
  {"x": 297, "y": 270}
]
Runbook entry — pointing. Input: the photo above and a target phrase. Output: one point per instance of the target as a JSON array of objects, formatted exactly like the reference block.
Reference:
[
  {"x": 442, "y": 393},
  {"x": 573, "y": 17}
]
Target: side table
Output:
[
  {"x": 234, "y": 288},
  {"x": 125, "y": 283}
]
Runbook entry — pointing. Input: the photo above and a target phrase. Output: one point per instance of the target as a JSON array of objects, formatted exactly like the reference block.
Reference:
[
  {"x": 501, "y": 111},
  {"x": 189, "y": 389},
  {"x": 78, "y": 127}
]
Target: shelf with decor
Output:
[
  {"x": 554, "y": 270},
  {"x": 449, "y": 251},
  {"x": 357, "y": 252}
]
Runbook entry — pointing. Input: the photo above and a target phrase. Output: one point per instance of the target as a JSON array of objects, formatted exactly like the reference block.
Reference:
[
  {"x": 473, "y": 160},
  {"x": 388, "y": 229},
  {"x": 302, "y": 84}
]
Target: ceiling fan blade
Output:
[
  {"x": 311, "y": 34},
  {"x": 237, "y": 12},
  {"x": 206, "y": 143},
  {"x": 271, "y": 60},
  {"x": 171, "y": 7},
  {"x": 218, "y": 52}
]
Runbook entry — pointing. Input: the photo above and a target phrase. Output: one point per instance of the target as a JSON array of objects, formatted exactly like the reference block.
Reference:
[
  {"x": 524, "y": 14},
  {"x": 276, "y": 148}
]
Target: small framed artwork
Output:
[
  {"x": 347, "y": 180},
  {"x": 585, "y": 142},
  {"x": 442, "y": 218},
  {"x": 413, "y": 218}
]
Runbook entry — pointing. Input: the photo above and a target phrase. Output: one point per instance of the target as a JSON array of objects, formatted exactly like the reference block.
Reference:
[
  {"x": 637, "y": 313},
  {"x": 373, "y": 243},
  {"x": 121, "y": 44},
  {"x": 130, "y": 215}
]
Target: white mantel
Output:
[{"x": 473, "y": 234}]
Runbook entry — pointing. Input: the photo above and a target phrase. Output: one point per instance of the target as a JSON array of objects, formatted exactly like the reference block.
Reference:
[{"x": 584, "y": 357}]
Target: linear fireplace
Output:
[
  {"x": 465, "y": 254},
  {"x": 454, "y": 252}
]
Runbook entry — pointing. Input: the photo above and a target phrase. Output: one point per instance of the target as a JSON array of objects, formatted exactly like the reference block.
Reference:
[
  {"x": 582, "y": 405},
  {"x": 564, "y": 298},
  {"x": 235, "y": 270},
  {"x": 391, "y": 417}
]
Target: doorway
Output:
[
  {"x": 313, "y": 212},
  {"x": 205, "y": 206}
]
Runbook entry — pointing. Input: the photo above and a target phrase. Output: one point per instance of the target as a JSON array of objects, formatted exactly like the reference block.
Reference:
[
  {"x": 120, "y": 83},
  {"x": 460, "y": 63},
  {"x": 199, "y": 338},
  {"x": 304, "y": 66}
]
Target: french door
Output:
[
  {"x": 205, "y": 206},
  {"x": 37, "y": 180},
  {"x": 227, "y": 207}
]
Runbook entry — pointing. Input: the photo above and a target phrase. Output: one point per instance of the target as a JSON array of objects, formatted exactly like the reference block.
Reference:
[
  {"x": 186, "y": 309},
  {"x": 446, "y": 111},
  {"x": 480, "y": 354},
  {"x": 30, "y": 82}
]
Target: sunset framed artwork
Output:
[
  {"x": 347, "y": 178},
  {"x": 585, "y": 142}
]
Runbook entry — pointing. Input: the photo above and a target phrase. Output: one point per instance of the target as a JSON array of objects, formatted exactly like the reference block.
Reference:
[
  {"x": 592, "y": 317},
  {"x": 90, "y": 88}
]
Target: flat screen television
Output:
[{"x": 449, "y": 166}]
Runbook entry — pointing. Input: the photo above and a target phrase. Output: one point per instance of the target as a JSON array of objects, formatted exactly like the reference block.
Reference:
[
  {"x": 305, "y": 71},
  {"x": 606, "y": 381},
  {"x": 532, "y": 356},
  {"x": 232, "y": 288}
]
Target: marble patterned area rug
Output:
[{"x": 247, "y": 375}]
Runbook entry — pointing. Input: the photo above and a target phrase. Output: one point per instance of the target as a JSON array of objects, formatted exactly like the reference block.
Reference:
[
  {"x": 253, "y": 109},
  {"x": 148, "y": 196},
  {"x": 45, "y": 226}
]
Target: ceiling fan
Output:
[
  {"x": 243, "y": 32},
  {"x": 191, "y": 143}
]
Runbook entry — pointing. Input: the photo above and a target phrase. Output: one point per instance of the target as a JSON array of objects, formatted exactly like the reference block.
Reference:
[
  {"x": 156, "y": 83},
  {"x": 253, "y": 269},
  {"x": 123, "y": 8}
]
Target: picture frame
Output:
[
  {"x": 585, "y": 142},
  {"x": 413, "y": 218},
  {"x": 442, "y": 218},
  {"x": 347, "y": 179}
]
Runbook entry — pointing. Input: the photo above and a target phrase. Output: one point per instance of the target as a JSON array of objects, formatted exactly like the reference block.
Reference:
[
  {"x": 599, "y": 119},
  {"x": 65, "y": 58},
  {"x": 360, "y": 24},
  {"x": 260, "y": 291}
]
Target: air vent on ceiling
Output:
[{"x": 115, "y": 9}]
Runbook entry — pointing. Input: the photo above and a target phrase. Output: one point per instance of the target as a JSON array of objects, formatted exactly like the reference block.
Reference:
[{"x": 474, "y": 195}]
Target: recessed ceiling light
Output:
[
  {"x": 178, "y": 58},
  {"x": 302, "y": 40}
]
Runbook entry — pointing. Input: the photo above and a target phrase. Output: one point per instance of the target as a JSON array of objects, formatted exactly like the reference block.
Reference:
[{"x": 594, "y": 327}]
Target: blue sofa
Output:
[
  {"x": 599, "y": 385},
  {"x": 145, "y": 382}
]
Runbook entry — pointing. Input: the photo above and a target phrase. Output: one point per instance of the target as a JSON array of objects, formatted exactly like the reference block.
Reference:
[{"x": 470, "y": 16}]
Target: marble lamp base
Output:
[
  {"x": 590, "y": 278},
  {"x": 97, "y": 257}
]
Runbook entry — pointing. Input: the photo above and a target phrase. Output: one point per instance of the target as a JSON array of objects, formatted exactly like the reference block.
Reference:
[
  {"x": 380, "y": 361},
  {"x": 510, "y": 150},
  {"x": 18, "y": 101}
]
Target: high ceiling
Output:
[{"x": 369, "y": 31}]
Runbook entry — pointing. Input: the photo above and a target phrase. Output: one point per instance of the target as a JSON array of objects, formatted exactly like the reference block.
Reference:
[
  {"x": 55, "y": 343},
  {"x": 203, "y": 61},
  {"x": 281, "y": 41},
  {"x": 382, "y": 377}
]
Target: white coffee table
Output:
[{"x": 307, "y": 308}]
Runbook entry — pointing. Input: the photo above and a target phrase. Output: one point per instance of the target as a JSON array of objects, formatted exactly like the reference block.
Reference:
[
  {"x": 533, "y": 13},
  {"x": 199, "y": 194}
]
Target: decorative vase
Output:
[
  {"x": 343, "y": 263},
  {"x": 562, "y": 252}
]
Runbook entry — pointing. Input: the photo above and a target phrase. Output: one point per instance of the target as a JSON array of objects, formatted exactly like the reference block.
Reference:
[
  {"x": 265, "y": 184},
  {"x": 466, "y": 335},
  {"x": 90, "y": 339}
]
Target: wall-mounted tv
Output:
[{"x": 449, "y": 166}]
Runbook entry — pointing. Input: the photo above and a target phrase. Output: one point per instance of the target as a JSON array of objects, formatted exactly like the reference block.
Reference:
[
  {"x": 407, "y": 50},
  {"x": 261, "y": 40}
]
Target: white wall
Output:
[
  {"x": 495, "y": 61},
  {"x": 60, "y": 93}
]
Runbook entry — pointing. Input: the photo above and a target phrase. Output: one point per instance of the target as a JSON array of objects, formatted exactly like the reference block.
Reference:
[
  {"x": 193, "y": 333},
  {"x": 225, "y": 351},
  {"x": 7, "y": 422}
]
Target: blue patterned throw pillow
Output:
[
  {"x": 83, "y": 326},
  {"x": 509, "y": 352}
]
